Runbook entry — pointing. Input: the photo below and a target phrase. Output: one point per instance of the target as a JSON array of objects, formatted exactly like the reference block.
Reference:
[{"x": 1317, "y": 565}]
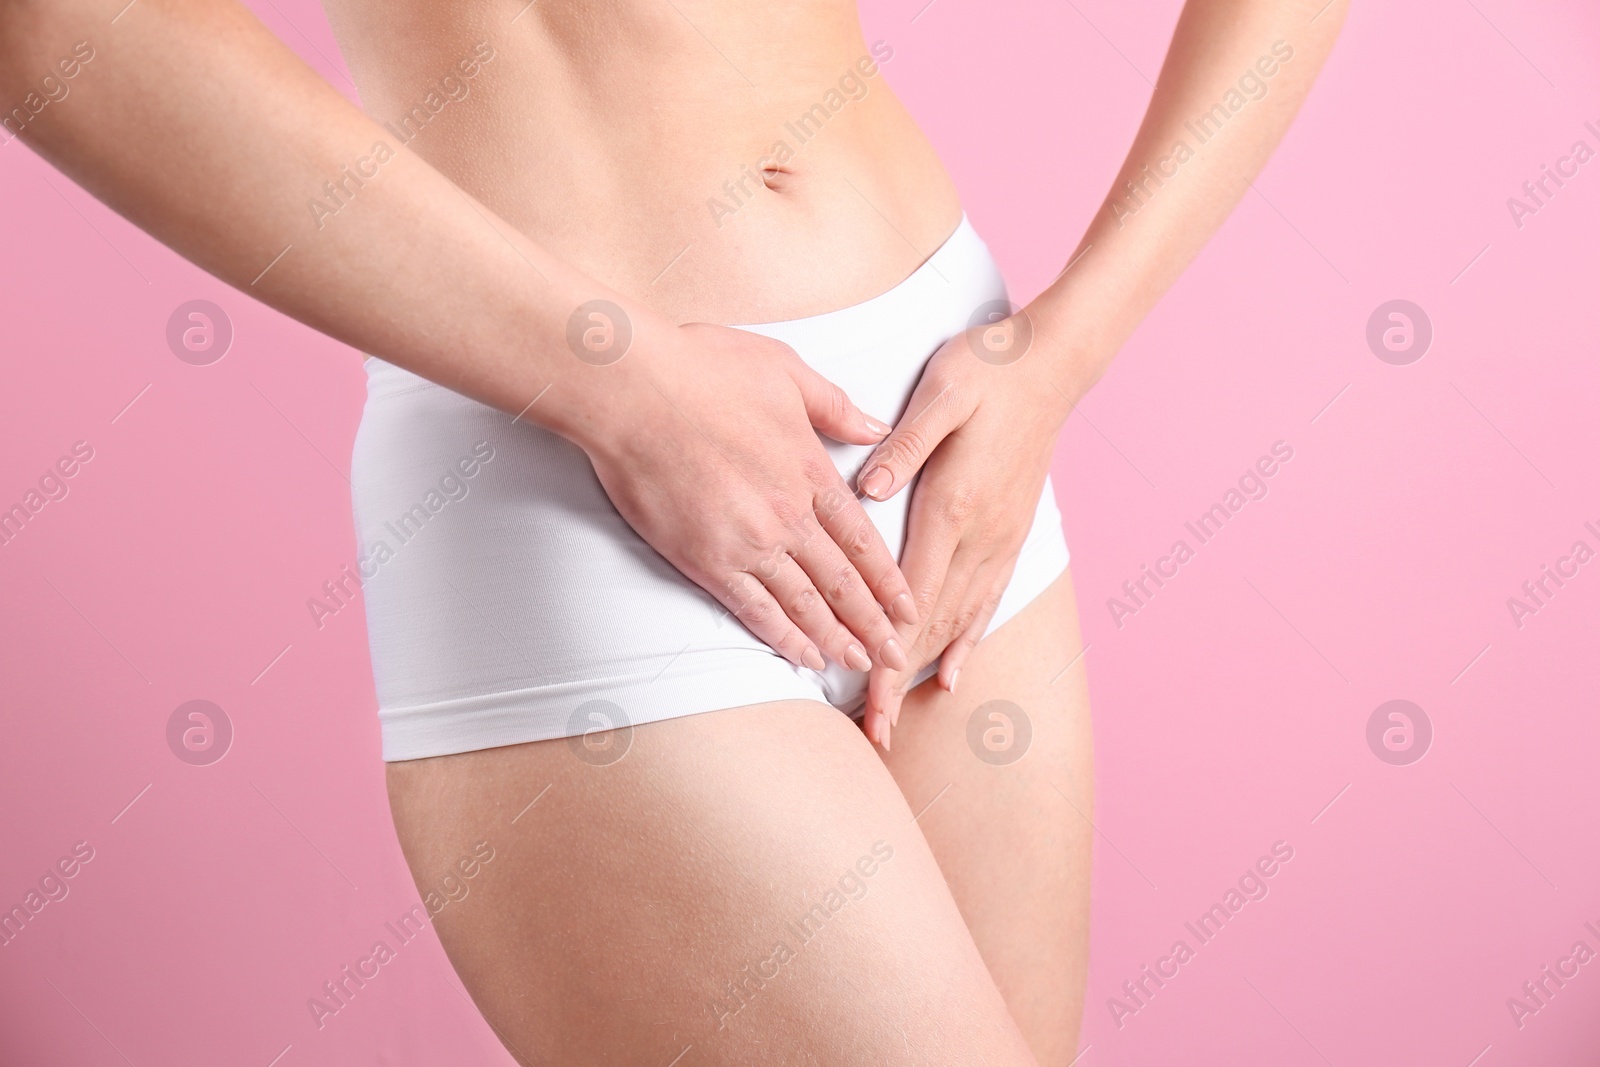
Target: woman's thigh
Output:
[
  {"x": 741, "y": 886},
  {"x": 1002, "y": 775}
]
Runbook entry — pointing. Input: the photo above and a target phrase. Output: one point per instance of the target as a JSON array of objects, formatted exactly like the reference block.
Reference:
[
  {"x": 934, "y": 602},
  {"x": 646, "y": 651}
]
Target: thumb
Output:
[
  {"x": 930, "y": 417},
  {"x": 831, "y": 411}
]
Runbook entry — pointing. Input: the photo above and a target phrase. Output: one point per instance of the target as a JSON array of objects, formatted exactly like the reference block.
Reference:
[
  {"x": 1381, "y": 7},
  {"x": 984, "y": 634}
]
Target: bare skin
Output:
[
  {"x": 612, "y": 124},
  {"x": 413, "y": 263},
  {"x": 463, "y": 254},
  {"x": 575, "y": 163},
  {"x": 1232, "y": 82},
  {"x": 617, "y": 908}
]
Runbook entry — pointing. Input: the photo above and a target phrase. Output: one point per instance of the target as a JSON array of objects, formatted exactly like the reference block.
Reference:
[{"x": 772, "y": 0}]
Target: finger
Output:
[
  {"x": 844, "y": 520},
  {"x": 936, "y": 408},
  {"x": 750, "y": 602},
  {"x": 885, "y": 690},
  {"x": 842, "y": 587},
  {"x": 876, "y": 726},
  {"x": 952, "y": 613},
  {"x": 945, "y": 620},
  {"x": 930, "y": 551},
  {"x": 988, "y": 586},
  {"x": 832, "y": 411},
  {"x": 933, "y": 536},
  {"x": 798, "y": 596}
]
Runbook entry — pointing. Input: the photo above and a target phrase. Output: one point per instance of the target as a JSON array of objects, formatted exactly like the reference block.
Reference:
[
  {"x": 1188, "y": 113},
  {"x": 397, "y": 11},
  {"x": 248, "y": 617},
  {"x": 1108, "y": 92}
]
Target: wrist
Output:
[
  {"x": 602, "y": 363},
  {"x": 1066, "y": 358}
]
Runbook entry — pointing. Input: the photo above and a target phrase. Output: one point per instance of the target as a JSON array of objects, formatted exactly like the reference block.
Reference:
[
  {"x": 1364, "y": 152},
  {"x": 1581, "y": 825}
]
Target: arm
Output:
[
  {"x": 1267, "y": 54},
  {"x": 1234, "y": 78},
  {"x": 198, "y": 125}
]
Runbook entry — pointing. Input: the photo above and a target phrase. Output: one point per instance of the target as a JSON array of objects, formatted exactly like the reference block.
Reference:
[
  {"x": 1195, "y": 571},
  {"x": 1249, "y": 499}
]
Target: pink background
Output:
[{"x": 1230, "y": 710}]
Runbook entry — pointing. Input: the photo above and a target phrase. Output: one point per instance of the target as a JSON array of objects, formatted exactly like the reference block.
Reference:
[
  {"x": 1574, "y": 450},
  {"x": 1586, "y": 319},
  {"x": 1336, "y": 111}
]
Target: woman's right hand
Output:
[{"x": 708, "y": 447}]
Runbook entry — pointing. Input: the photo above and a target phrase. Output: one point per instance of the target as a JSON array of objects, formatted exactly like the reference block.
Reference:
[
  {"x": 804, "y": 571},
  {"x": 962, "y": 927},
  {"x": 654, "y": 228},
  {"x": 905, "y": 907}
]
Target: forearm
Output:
[
  {"x": 197, "y": 124},
  {"x": 1190, "y": 163}
]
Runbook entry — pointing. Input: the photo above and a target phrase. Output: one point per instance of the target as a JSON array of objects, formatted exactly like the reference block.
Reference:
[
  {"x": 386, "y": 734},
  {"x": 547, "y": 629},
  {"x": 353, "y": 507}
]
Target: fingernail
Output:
[
  {"x": 893, "y": 655},
  {"x": 883, "y": 734},
  {"x": 882, "y": 429},
  {"x": 953, "y": 676},
  {"x": 877, "y": 482},
  {"x": 894, "y": 716},
  {"x": 855, "y": 657},
  {"x": 813, "y": 658},
  {"x": 904, "y": 608}
]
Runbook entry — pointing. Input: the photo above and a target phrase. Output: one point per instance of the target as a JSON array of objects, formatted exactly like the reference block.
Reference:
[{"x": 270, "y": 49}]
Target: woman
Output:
[{"x": 622, "y": 661}]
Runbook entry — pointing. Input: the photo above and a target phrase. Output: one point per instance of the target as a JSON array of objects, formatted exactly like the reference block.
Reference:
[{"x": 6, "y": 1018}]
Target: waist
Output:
[
  {"x": 875, "y": 349},
  {"x": 765, "y": 178}
]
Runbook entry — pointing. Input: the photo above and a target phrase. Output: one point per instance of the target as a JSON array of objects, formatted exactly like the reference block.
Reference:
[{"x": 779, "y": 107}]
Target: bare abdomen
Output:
[{"x": 722, "y": 162}]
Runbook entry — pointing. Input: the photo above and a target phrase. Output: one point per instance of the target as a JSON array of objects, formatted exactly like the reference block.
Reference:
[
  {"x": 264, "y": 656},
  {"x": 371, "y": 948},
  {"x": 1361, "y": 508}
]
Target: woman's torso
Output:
[{"x": 630, "y": 138}]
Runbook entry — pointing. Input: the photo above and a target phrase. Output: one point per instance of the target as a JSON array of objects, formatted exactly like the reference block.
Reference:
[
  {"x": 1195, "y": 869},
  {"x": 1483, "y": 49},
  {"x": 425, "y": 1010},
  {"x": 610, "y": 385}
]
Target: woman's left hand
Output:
[{"x": 981, "y": 427}]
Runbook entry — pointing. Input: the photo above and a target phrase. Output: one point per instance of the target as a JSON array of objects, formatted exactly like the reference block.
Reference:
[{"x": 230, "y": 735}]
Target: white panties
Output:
[{"x": 508, "y": 601}]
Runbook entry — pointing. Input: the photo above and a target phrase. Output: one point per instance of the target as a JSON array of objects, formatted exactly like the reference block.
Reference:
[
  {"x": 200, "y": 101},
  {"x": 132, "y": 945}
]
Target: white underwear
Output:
[{"x": 507, "y": 600}]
